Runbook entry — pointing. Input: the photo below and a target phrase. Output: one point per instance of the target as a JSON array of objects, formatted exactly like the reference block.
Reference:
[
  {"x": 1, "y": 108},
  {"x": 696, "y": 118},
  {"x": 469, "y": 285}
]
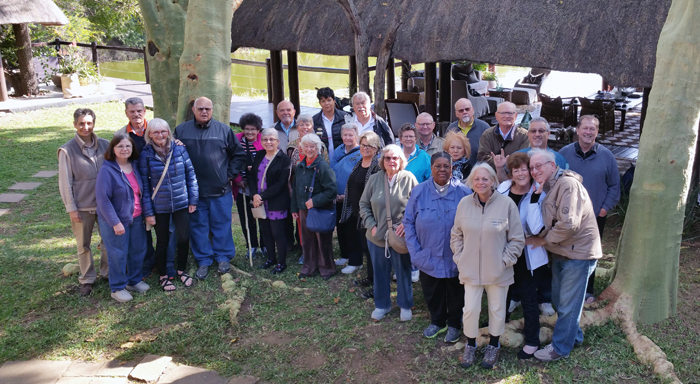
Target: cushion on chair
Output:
[{"x": 533, "y": 79}]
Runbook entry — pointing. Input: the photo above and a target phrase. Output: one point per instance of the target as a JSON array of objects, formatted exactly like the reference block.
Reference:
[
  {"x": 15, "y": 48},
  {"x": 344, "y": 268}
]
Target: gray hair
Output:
[
  {"x": 488, "y": 168},
  {"x": 549, "y": 156},
  {"x": 305, "y": 119},
  {"x": 540, "y": 120},
  {"x": 395, "y": 149},
  {"x": 157, "y": 123},
  {"x": 364, "y": 96},
  {"x": 312, "y": 139},
  {"x": 350, "y": 126},
  {"x": 133, "y": 101},
  {"x": 372, "y": 139},
  {"x": 270, "y": 132}
]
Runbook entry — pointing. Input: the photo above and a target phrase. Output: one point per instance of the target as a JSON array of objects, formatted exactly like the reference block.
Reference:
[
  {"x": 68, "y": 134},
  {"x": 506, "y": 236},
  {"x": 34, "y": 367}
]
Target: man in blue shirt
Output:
[
  {"x": 538, "y": 133},
  {"x": 287, "y": 126}
]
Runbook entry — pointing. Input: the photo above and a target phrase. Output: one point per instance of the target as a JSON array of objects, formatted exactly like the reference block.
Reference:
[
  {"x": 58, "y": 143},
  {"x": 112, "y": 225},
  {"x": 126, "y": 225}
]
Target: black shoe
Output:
[
  {"x": 362, "y": 282},
  {"x": 278, "y": 269},
  {"x": 85, "y": 289},
  {"x": 269, "y": 263},
  {"x": 368, "y": 294},
  {"x": 224, "y": 267},
  {"x": 202, "y": 272},
  {"x": 329, "y": 276}
]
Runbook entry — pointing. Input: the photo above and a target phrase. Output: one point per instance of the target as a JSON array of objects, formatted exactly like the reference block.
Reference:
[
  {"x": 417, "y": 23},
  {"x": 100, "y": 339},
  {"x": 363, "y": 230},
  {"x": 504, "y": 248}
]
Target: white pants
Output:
[{"x": 472, "y": 308}]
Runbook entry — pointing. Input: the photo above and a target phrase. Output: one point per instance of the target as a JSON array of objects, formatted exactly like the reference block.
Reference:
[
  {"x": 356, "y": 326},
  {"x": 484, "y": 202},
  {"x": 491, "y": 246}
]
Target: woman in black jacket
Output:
[{"x": 268, "y": 178}]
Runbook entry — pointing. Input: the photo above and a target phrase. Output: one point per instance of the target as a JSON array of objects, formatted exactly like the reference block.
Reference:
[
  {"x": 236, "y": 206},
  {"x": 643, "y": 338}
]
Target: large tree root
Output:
[{"x": 276, "y": 284}]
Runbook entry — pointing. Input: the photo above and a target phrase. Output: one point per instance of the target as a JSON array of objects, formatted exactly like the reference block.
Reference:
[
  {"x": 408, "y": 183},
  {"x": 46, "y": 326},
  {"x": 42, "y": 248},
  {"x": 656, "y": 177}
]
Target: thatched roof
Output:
[
  {"x": 31, "y": 12},
  {"x": 614, "y": 38}
]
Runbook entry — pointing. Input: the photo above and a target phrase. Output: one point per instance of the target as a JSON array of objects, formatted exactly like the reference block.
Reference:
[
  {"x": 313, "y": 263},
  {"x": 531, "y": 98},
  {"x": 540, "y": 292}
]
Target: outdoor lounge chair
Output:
[
  {"x": 533, "y": 80},
  {"x": 400, "y": 112},
  {"x": 604, "y": 110},
  {"x": 558, "y": 112}
]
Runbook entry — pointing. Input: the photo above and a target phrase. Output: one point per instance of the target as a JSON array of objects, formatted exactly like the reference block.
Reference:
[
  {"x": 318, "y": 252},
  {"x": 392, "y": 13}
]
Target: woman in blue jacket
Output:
[
  {"x": 118, "y": 191},
  {"x": 430, "y": 214},
  {"x": 171, "y": 193}
]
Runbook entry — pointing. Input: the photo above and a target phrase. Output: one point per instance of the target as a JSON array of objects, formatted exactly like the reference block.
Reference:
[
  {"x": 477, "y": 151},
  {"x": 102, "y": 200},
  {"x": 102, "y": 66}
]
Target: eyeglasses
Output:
[
  {"x": 390, "y": 158},
  {"x": 424, "y": 124},
  {"x": 442, "y": 166},
  {"x": 366, "y": 146},
  {"x": 269, "y": 140},
  {"x": 540, "y": 131},
  {"x": 507, "y": 113},
  {"x": 123, "y": 146},
  {"x": 538, "y": 167},
  {"x": 464, "y": 110},
  {"x": 200, "y": 109},
  {"x": 159, "y": 133}
]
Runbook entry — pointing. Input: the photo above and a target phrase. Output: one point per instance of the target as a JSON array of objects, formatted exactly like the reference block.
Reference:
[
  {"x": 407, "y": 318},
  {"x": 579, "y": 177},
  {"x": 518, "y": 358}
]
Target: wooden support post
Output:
[
  {"x": 145, "y": 66},
  {"x": 93, "y": 47},
  {"x": 645, "y": 104},
  {"x": 445, "y": 91},
  {"x": 277, "y": 79},
  {"x": 293, "y": 77},
  {"x": 405, "y": 72},
  {"x": 431, "y": 89},
  {"x": 268, "y": 78},
  {"x": 390, "y": 79},
  {"x": 3, "y": 87},
  {"x": 352, "y": 81}
]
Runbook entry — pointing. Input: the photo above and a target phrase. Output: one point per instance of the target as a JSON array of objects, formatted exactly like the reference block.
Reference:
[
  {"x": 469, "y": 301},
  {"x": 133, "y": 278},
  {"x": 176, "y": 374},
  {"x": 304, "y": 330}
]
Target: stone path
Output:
[
  {"x": 150, "y": 369},
  {"x": 23, "y": 186}
]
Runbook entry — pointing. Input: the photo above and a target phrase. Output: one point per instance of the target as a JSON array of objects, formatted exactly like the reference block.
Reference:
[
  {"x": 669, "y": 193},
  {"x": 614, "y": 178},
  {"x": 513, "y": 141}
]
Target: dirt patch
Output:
[{"x": 310, "y": 359}]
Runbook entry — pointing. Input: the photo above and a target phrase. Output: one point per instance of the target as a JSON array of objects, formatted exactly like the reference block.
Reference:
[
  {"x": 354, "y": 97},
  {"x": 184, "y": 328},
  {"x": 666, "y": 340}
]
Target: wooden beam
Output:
[
  {"x": 93, "y": 48},
  {"x": 431, "y": 89},
  {"x": 445, "y": 91},
  {"x": 645, "y": 104},
  {"x": 277, "y": 79},
  {"x": 3, "y": 87},
  {"x": 268, "y": 78},
  {"x": 352, "y": 73},
  {"x": 293, "y": 78},
  {"x": 405, "y": 71},
  {"x": 391, "y": 79}
]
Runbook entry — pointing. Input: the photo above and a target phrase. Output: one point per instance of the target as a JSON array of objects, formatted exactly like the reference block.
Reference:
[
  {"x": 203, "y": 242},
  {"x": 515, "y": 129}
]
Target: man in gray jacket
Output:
[
  {"x": 78, "y": 162},
  {"x": 469, "y": 126}
]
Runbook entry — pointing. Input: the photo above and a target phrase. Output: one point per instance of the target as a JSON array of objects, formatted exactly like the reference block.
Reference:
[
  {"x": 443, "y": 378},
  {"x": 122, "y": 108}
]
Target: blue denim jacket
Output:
[{"x": 428, "y": 221}]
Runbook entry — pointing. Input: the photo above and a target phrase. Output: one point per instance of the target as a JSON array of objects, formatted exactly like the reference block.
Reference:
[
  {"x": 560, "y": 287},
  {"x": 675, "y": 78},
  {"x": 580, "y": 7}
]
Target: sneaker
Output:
[
  {"x": 546, "y": 309},
  {"x": 301, "y": 260},
  {"x": 202, "y": 272},
  {"x": 268, "y": 263},
  {"x": 341, "y": 261},
  {"x": 468, "y": 357},
  {"x": 406, "y": 315},
  {"x": 415, "y": 276},
  {"x": 452, "y": 335},
  {"x": 278, "y": 269},
  {"x": 362, "y": 282},
  {"x": 513, "y": 305},
  {"x": 548, "y": 354},
  {"x": 368, "y": 294},
  {"x": 122, "y": 296},
  {"x": 224, "y": 267},
  {"x": 432, "y": 331},
  {"x": 350, "y": 269},
  {"x": 490, "y": 356},
  {"x": 85, "y": 289},
  {"x": 140, "y": 287},
  {"x": 379, "y": 313}
]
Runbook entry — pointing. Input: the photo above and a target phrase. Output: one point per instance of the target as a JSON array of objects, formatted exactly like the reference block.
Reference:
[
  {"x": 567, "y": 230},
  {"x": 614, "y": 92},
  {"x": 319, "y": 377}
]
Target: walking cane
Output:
[{"x": 247, "y": 230}]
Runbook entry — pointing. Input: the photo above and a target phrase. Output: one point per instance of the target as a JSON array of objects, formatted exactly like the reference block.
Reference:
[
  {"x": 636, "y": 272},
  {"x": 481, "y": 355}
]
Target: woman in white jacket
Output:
[{"x": 523, "y": 190}]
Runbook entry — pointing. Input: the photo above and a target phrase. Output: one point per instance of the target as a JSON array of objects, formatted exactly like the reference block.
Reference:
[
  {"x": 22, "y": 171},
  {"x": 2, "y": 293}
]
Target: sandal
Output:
[
  {"x": 166, "y": 284},
  {"x": 186, "y": 280}
]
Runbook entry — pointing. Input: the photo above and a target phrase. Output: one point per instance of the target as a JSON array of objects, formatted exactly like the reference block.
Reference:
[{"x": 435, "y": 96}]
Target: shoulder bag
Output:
[
  {"x": 392, "y": 240},
  {"x": 259, "y": 212},
  {"x": 320, "y": 220}
]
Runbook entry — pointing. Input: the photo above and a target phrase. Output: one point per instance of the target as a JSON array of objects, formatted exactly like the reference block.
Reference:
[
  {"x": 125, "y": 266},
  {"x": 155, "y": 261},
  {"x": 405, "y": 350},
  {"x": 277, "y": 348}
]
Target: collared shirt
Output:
[
  {"x": 202, "y": 126},
  {"x": 131, "y": 130},
  {"x": 466, "y": 129},
  {"x": 328, "y": 124},
  {"x": 425, "y": 146},
  {"x": 287, "y": 129},
  {"x": 366, "y": 127},
  {"x": 509, "y": 134},
  {"x": 588, "y": 154}
]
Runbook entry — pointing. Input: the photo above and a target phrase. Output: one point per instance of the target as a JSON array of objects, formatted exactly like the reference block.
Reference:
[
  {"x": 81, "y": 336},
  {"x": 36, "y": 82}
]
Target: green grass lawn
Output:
[{"x": 324, "y": 335}]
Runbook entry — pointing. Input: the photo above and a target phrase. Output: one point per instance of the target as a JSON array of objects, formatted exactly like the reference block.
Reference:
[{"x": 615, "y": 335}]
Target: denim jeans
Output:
[
  {"x": 125, "y": 253},
  {"x": 569, "y": 280},
  {"x": 382, "y": 277},
  {"x": 150, "y": 260},
  {"x": 213, "y": 215}
]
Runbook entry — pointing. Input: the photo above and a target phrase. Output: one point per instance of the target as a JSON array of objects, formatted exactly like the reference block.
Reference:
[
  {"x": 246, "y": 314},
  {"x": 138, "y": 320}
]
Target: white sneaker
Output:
[
  {"x": 546, "y": 309},
  {"x": 379, "y": 313},
  {"x": 415, "y": 275},
  {"x": 406, "y": 314},
  {"x": 350, "y": 269},
  {"x": 122, "y": 296},
  {"x": 341, "y": 261},
  {"x": 140, "y": 287},
  {"x": 513, "y": 305}
]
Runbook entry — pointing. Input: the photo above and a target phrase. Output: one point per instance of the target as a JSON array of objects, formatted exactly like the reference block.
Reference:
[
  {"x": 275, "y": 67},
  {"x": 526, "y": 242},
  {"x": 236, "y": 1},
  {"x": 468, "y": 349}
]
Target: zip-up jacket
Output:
[
  {"x": 115, "y": 197},
  {"x": 179, "y": 188}
]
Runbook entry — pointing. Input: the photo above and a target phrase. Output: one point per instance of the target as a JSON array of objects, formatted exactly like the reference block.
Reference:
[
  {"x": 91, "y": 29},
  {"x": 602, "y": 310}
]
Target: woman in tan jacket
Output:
[{"x": 486, "y": 239}]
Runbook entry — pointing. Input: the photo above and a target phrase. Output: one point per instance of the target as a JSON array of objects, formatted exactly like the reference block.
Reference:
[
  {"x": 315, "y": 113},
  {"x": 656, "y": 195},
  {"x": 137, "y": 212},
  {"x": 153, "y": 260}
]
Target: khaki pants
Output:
[
  {"x": 83, "y": 236},
  {"x": 472, "y": 307}
]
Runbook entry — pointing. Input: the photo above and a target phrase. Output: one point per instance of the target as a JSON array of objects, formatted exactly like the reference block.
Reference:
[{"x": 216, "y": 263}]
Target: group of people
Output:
[{"x": 482, "y": 208}]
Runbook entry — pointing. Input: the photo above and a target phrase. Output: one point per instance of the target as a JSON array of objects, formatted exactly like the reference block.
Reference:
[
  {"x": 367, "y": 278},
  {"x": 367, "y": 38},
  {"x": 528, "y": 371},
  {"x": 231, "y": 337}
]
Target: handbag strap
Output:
[
  {"x": 262, "y": 182},
  {"x": 313, "y": 181},
  {"x": 165, "y": 170},
  {"x": 389, "y": 224}
]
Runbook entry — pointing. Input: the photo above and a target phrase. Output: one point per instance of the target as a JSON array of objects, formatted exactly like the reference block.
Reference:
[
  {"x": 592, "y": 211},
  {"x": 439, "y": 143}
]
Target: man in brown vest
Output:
[{"x": 78, "y": 163}]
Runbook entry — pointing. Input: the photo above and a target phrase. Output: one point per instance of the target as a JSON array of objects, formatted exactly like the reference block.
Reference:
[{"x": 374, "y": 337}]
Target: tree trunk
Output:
[
  {"x": 648, "y": 254},
  {"x": 28, "y": 85},
  {"x": 382, "y": 61},
  {"x": 205, "y": 64},
  {"x": 359, "y": 30},
  {"x": 165, "y": 32}
]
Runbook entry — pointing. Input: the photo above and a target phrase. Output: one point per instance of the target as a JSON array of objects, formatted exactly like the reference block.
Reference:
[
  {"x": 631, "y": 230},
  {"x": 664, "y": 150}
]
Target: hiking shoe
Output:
[
  {"x": 468, "y": 357},
  {"x": 452, "y": 335},
  {"x": 490, "y": 356},
  {"x": 362, "y": 282},
  {"x": 432, "y": 331},
  {"x": 202, "y": 272},
  {"x": 278, "y": 269},
  {"x": 122, "y": 296},
  {"x": 85, "y": 289},
  {"x": 140, "y": 287},
  {"x": 406, "y": 315},
  {"x": 224, "y": 267},
  {"x": 350, "y": 269},
  {"x": 341, "y": 261},
  {"x": 548, "y": 354},
  {"x": 513, "y": 305},
  {"x": 546, "y": 309},
  {"x": 415, "y": 276},
  {"x": 268, "y": 263},
  {"x": 368, "y": 294},
  {"x": 379, "y": 313}
]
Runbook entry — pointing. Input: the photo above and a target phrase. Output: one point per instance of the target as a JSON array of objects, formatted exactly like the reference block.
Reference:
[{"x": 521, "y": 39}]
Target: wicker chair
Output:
[
  {"x": 558, "y": 111},
  {"x": 604, "y": 110}
]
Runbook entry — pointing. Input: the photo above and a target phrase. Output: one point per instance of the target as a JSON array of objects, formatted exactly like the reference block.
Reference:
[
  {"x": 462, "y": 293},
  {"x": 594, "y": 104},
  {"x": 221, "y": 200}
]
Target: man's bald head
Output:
[
  {"x": 425, "y": 125},
  {"x": 506, "y": 115},
  {"x": 202, "y": 110},
  {"x": 286, "y": 112},
  {"x": 464, "y": 111}
]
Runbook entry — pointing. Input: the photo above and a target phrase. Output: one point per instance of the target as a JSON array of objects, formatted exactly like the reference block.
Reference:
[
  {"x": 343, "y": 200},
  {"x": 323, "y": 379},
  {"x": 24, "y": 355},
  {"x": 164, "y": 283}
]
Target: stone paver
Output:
[
  {"x": 110, "y": 380},
  {"x": 244, "y": 380},
  {"x": 83, "y": 368},
  {"x": 45, "y": 174},
  {"x": 74, "y": 380},
  {"x": 32, "y": 371},
  {"x": 183, "y": 374},
  {"x": 25, "y": 186},
  {"x": 150, "y": 368},
  {"x": 11, "y": 197},
  {"x": 116, "y": 368},
  {"x": 4, "y": 211}
]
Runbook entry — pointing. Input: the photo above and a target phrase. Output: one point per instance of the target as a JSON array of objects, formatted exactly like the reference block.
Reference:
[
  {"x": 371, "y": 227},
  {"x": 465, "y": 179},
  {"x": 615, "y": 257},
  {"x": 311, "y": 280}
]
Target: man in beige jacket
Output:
[{"x": 571, "y": 236}]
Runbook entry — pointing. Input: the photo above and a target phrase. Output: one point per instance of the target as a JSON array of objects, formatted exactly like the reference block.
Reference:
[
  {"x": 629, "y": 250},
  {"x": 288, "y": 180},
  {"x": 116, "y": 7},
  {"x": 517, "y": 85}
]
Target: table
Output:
[
  {"x": 621, "y": 105},
  {"x": 505, "y": 93}
]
